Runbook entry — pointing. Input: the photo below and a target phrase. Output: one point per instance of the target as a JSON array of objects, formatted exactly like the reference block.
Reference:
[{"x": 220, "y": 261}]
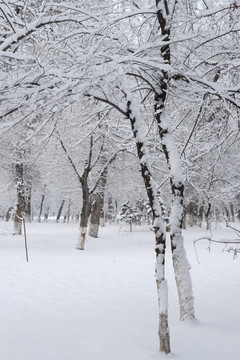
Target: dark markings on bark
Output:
[{"x": 160, "y": 236}]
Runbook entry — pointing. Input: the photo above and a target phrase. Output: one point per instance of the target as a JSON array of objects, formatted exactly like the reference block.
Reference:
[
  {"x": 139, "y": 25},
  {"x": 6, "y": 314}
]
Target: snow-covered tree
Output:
[
  {"x": 165, "y": 65},
  {"x": 127, "y": 213}
]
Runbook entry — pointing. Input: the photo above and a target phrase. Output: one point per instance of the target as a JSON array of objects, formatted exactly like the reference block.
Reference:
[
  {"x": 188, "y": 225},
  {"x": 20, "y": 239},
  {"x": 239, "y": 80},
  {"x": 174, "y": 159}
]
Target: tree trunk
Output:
[
  {"x": 130, "y": 224},
  {"x": 159, "y": 225},
  {"x": 194, "y": 214},
  {"x": 232, "y": 213},
  {"x": 238, "y": 214},
  {"x": 41, "y": 204},
  {"x": 110, "y": 211},
  {"x": 97, "y": 206},
  {"x": 69, "y": 210},
  {"x": 207, "y": 216},
  {"x": 200, "y": 216},
  {"x": 21, "y": 204},
  {"x": 184, "y": 225},
  {"x": 180, "y": 262},
  {"x": 28, "y": 200},
  {"x": 189, "y": 214},
  {"x": 102, "y": 220},
  {"x": 8, "y": 213},
  {"x": 46, "y": 214},
  {"x": 60, "y": 211},
  {"x": 85, "y": 193},
  {"x": 85, "y": 212},
  {"x": 95, "y": 215},
  {"x": 227, "y": 213},
  {"x": 41, "y": 207}
]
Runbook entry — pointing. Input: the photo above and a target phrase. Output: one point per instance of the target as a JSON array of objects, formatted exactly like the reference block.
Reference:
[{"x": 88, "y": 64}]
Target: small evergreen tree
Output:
[
  {"x": 149, "y": 216},
  {"x": 126, "y": 213}
]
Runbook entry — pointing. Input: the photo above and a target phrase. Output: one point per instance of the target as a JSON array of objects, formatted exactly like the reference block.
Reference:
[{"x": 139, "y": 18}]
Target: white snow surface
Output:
[{"x": 101, "y": 303}]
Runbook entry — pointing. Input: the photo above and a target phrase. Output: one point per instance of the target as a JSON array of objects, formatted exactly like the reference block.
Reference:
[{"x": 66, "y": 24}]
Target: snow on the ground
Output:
[{"x": 101, "y": 303}]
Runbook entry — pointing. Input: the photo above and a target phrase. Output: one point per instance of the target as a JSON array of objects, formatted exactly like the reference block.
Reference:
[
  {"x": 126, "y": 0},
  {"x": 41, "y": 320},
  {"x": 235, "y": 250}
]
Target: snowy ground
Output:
[{"x": 101, "y": 303}]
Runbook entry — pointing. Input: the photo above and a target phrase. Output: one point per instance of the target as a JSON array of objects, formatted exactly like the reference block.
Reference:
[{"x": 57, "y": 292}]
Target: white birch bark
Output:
[
  {"x": 132, "y": 113},
  {"x": 180, "y": 262},
  {"x": 165, "y": 13},
  {"x": 159, "y": 224}
]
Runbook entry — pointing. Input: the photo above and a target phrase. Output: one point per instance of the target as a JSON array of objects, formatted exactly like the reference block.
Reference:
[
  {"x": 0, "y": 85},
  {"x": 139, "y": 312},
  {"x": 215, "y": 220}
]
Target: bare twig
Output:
[
  {"x": 237, "y": 231},
  {"x": 226, "y": 242}
]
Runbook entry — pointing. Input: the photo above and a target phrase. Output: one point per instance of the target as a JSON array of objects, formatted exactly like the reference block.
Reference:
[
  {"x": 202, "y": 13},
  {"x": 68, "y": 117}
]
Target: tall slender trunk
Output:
[
  {"x": 28, "y": 200},
  {"x": 60, "y": 210},
  {"x": 41, "y": 207},
  {"x": 83, "y": 180},
  {"x": 21, "y": 204},
  {"x": 184, "y": 222},
  {"x": 97, "y": 206},
  {"x": 226, "y": 211},
  {"x": 69, "y": 210},
  {"x": 41, "y": 204},
  {"x": 97, "y": 203},
  {"x": 46, "y": 214},
  {"x": 180, "y": 262},
  {"x": 9, "y": 213},
  {"x": 194, "y": 214},
  {"x": 110, "y": 211},
  {"x": 200, "y": 216},
  {"x": 207, "y": 214},
  {"x": 238, "y": 214},
  {"x": 101, "y": 219},
  {"x": 159, "y": 225},
  {"x": 181, "y": 267},
  {"x": 133, "y": 115},
  {"x": 232, "y": 213},
  {"x": 189, "y": 214},
  {"x": 85, "y": 212}
]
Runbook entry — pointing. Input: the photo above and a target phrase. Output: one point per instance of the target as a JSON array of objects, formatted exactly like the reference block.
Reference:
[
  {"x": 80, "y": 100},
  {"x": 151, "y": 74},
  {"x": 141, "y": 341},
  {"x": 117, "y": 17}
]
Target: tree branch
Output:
[
  {"x": 104, "y": 169},
  {"x": 70, "y": 159}
]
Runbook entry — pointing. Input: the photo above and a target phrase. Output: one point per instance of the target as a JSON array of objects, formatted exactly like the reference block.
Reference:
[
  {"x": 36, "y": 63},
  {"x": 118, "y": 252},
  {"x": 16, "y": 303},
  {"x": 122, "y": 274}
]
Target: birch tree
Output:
[{"x": 130, "y": 110}]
